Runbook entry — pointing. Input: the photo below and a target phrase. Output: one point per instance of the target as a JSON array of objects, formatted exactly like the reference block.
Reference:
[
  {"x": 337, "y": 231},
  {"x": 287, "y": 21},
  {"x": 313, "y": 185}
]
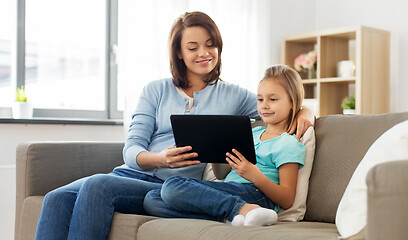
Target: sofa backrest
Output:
[{"x": 341, "y": 143}]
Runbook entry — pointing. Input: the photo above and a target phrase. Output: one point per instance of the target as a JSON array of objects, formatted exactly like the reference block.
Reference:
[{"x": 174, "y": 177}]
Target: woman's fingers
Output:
[
  {"x": 293, "y": 127},
  {"x": 178, "y": 164},
  {"x": 186, "y": 156},
  {"x": 180, "y": 150},
  {"x": 177, "y": 157},
  {"x": 182, "y": 157},
  {"x": 303, "y": 120},
  {"x": 179, "y": 153},
  {"x": 300, "y": 130}
]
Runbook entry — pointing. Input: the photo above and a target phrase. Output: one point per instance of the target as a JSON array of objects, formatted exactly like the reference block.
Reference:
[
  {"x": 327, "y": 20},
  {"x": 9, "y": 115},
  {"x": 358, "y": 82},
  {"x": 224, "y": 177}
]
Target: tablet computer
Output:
[{"x": 212, "y": 136}]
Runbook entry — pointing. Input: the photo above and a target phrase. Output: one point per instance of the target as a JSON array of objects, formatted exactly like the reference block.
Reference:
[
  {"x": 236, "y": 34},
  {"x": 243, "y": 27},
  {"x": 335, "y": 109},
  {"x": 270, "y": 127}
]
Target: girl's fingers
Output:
[
  {"x": 233, "y": 158},
  {"x": 239, "y": 155},
  {"x": 231, "y": 163}
]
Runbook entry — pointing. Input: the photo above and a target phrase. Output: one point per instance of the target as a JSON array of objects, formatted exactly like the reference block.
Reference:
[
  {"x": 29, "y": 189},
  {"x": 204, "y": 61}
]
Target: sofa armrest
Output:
[
  {"x": 387, "y": 199},
  {"x": 44, "y": 166}
]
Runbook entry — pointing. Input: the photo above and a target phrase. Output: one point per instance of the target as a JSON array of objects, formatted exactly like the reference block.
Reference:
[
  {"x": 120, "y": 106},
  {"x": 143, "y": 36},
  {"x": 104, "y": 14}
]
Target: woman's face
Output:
[
  {"x": 274, "y": 105},
  {"x": 198, "y": 52}
]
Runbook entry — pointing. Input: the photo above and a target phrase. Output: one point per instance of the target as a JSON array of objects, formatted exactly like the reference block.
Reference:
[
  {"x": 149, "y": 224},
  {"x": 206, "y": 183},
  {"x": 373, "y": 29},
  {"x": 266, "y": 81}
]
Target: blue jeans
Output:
[
  {"x": 190, "y": 198},
  {"x": 84, "y": 209}
]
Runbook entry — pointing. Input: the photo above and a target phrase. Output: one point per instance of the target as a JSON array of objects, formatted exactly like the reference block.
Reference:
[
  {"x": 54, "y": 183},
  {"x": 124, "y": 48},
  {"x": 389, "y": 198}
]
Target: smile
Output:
[
  {"x": 206, "y": 61},
  {"x": 267, "y": 114}
]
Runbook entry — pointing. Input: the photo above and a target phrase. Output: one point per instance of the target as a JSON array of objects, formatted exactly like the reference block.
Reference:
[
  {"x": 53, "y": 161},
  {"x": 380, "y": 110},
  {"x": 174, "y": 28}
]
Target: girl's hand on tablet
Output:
[{"x": 242, "y": 166}]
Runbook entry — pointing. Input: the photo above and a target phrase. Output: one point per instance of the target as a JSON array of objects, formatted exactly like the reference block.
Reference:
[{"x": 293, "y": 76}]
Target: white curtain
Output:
[{"x": 245, "y": 26}]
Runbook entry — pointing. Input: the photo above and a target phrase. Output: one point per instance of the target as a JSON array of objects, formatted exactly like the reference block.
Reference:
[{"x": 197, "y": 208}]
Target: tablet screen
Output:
[{"x": 212, "y": 136}]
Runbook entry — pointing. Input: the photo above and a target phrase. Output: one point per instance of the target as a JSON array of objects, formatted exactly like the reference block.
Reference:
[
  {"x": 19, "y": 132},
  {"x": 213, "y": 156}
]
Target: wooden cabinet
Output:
[{"x": 367, "y": 48}]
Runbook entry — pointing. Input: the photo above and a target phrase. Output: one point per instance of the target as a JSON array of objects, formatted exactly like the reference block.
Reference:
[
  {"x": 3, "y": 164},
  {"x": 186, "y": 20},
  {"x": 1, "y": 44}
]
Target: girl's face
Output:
[
  {"x": 274, "y": 105},
  {"x": 198, "y": 52}
]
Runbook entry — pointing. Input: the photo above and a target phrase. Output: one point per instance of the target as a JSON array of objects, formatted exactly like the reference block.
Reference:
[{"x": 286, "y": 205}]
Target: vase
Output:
[
  {"x": 22, "y": 110},
  {"x": 345, "y": 69},
  {"x": 311, "y": 73},
  {"x": 349, "y": 111}
]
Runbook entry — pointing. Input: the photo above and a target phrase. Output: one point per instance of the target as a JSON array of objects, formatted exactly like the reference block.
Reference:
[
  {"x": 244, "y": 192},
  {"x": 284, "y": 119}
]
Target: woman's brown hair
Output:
[
  {"x": 177, "y": 66},
  {"x": 291, "y": 81}
]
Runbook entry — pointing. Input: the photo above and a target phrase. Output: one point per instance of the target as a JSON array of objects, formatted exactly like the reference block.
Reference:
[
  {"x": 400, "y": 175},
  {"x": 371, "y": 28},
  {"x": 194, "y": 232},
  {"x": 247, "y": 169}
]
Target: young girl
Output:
[{"x": 251, "y": 194}]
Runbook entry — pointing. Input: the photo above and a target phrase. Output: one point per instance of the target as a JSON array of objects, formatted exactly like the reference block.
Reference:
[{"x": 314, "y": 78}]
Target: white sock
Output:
[
  {"x": 237, "y": 221},
  {"x": 260, "y": 217}
]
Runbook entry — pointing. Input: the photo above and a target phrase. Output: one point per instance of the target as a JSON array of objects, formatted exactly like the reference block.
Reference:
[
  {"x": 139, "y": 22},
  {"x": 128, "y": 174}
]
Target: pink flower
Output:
[
  {"x": 299, "y": 62},
  {"x": 305, "y": 61}
]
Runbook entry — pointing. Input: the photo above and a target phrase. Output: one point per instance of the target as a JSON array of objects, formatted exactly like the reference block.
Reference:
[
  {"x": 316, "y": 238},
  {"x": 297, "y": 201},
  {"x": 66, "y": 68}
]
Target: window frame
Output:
[{"x": 111, "y": 40}]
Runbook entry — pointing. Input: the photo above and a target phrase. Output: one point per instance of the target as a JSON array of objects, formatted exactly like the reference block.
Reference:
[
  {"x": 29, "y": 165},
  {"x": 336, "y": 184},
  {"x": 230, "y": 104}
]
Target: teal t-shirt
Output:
[{"x": 271, "y": 154}]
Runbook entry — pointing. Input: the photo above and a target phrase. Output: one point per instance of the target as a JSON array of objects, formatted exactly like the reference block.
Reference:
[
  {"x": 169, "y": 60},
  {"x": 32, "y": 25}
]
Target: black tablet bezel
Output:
[{"x": 211, "y": 136}]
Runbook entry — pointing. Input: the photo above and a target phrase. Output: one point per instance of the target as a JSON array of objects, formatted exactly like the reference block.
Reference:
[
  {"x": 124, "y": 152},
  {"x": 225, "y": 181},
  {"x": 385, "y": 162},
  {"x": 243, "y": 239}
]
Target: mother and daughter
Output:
[{"x": 157, "y": 177}]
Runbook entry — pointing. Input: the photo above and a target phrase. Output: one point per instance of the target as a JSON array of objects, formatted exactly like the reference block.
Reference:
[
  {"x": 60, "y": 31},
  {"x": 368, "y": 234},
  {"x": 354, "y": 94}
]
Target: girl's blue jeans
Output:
[
  {"x": 190, "y": 198},
  {"x": 84, "y": 209}
]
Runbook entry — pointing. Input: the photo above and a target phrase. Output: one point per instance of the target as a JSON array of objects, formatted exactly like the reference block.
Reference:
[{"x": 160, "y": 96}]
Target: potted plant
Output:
[
  {"x": 21, "y": 108},
  {"x": 349, "y": 105}
]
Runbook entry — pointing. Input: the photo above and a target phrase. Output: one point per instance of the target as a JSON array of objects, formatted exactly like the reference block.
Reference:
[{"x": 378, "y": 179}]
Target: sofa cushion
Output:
[
  {"x": 341, "y": 143},
  {"x": 297, "y": 211},
  {"x": 187, "y": 229},
  {"x": 124, "y": 226},
  {"x": 351, "y": 217}
]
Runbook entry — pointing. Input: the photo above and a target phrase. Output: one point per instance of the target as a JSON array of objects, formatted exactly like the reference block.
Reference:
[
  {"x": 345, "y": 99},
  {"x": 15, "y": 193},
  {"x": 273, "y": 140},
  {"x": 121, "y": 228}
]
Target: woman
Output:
[{"x": 84, "y": 208}]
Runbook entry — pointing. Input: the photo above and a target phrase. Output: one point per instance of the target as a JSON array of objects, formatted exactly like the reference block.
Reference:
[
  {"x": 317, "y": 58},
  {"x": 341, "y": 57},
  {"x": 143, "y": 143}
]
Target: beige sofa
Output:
[{"x": 341, "y": 142}]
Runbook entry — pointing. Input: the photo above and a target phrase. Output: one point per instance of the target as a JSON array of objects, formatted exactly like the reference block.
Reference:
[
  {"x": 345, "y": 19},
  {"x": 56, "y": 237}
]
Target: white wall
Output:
[
  {"x": 278, "y": 19},
  {"x": 388, "y": 15},
  {"x": 13, "y": 134},
  {"x": 252, "y": 33}
]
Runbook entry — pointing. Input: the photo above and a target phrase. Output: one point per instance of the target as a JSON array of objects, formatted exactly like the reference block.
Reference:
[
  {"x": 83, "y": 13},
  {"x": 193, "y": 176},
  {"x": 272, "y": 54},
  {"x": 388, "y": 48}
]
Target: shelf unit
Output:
[{"x": 368, "y": 48}]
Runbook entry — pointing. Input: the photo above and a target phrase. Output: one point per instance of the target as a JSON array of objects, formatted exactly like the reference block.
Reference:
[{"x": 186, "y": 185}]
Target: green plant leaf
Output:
[
  {"x": 20, "y": 95},
  {"x": 349, "y": 103}
]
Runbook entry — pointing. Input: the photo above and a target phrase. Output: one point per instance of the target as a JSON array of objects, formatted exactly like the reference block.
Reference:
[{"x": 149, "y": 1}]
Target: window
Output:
[
  {"x": 6, "y": 25},
  {"x": 65, "y": 54},
  {"x": 143, "y": 32},
  {"x": 64, "y": 57}
]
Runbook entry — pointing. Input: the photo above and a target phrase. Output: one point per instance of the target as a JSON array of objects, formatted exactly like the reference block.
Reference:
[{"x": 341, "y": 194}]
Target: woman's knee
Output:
[
  {"x": 97, "y": 182},
  {"x": 59, "y": 198}
]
